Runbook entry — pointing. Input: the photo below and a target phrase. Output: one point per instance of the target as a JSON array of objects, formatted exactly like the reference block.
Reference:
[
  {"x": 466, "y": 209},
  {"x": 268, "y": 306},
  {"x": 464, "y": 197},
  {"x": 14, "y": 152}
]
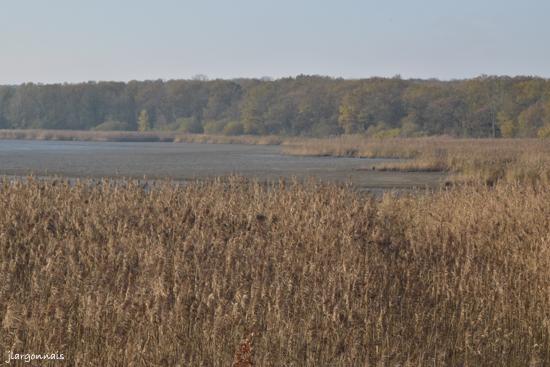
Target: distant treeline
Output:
[{"x": 306, "y": 105}]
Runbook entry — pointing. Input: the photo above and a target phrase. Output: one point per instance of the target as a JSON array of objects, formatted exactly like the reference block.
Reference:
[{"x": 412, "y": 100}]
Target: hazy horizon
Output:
[{"x": 68, "y": 42}]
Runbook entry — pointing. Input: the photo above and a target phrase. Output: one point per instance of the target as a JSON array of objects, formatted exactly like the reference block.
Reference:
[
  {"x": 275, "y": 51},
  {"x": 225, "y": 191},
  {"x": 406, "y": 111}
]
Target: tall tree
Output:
[
  {"x": 143, "y": 121},
  {"x": 304, "y": 105}
]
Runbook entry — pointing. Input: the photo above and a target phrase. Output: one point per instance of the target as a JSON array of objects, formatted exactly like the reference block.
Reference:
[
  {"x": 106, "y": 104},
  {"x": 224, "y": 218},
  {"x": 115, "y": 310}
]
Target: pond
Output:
[{"x": 186, "y": 161}]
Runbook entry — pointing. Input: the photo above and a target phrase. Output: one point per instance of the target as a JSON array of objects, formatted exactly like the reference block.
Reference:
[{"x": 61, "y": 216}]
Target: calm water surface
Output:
[{"x": 184, "y": 161}]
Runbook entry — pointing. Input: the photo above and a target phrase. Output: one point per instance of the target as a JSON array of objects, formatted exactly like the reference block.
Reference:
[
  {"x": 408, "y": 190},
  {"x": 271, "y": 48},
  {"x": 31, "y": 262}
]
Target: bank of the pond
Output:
[{"x": 191, "y": 161}]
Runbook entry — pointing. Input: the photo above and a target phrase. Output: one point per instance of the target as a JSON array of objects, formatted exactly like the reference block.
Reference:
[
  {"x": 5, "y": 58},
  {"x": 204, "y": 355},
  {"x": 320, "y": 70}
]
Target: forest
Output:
[{"x": 486, "y": 106}]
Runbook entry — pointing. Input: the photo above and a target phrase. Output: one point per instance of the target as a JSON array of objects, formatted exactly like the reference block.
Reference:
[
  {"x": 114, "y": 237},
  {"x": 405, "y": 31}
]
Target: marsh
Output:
[{"x": 187, "y": 161}]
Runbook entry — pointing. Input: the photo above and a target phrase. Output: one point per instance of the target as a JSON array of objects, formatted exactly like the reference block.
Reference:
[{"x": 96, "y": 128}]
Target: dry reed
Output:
[
  {"x": 135, "y": 136},
  {"x": 477, "y": 160},
  {"x": 111, "y": 274}
]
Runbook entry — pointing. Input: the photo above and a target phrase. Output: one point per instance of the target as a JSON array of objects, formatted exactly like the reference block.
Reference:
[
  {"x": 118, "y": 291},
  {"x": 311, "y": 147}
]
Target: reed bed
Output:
[
  {"x": 135, "y": 136},
  {"x": 287, "y": 274},
  {"x": 467, "y": 160}
]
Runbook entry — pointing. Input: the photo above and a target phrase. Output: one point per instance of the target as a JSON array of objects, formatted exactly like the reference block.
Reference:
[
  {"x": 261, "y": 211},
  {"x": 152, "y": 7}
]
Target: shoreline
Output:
[
  {"x": 136, "y": 136},
  {"x": 486, "y": 160}
]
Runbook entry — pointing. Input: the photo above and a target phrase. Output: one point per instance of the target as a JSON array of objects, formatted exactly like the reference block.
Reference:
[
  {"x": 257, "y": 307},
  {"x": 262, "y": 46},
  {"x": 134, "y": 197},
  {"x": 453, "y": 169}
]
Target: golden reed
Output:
[{"x": 112, "y": 274}]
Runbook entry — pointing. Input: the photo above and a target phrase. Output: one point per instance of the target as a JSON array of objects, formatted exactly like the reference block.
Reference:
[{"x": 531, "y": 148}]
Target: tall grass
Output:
[
  {"x": 135, "y": 136},
  {"x": 111, "y": 274},
  {"x": 479, "y": 160}
]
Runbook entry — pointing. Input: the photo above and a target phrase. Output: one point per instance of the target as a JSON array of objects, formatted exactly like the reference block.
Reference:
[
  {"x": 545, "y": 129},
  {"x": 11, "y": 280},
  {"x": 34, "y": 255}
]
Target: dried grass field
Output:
[
  {"x": 466, "y": 160},
  {"x": 232, "y": 272}
]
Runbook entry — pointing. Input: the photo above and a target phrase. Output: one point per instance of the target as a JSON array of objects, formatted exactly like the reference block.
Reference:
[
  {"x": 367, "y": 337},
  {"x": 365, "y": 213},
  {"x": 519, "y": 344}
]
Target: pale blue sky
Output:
[{"x": 73, "y": 40}]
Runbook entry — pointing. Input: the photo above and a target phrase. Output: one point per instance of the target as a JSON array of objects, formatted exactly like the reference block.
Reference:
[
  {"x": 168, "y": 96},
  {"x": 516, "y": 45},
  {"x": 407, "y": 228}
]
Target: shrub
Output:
[
  {"x": 233, "y": 128},
  {"x": 113, "y": 125},
  {"x": 190, "y": 125},
  {"x": 544, "y": 132},
  {"x": 213, "y": 127}
]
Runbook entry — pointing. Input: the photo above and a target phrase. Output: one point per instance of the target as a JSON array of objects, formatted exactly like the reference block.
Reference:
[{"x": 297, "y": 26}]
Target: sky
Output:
[{"x": 59, "y": 41}]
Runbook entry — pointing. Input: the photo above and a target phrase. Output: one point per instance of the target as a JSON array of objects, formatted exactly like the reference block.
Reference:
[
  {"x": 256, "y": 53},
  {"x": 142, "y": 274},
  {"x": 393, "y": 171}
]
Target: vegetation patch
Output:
[
  {"x": 306, "y": 105},
  {"x": 481, "y": 160},
  {"x": 231, "y": 271}
]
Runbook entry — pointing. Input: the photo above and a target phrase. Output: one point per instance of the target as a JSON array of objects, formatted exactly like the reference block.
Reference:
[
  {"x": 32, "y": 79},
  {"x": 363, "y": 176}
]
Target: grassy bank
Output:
[
  {"x": 479, "y": 160},
  {"x": 113, "y": 275},
  {"x": 135, "y": 136}
]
